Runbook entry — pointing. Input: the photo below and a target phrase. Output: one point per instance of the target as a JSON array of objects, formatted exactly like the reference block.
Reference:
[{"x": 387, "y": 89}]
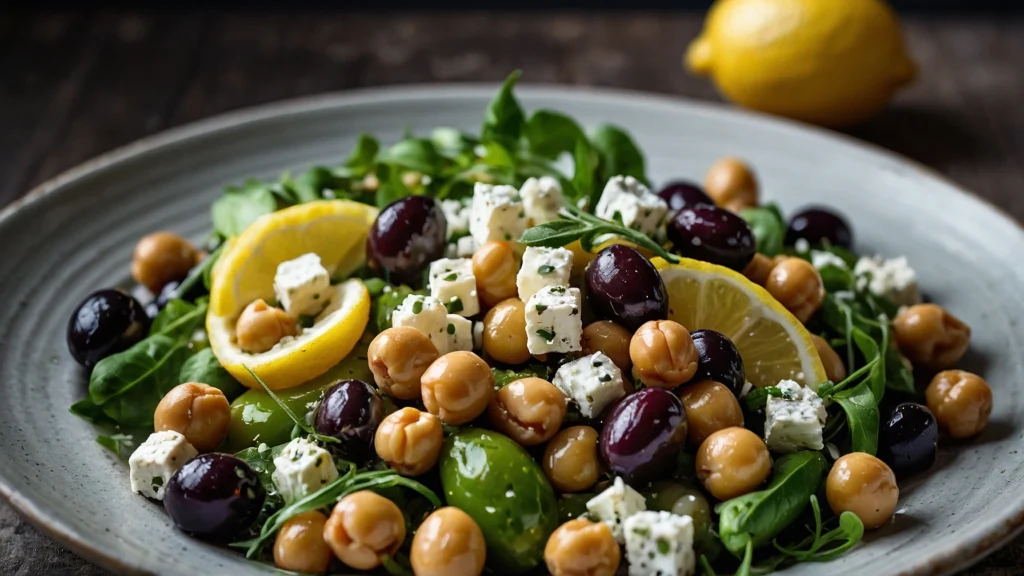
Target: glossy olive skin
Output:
[
  {"x": 678, "y": 498},
  {"x": 643, "y": 434},
  {"x": 214, "y": 497},
  {"x": 714, "y": 235},
  {"x": 719, "y": 360},
  {"x": 817, "y": 226},
  {"x": 106, "y": 322},
  {"x": 909, "y": 439},
  {"x": 681, "y": 194},
  {"x": 407, "y": 235},
  {"x": 351, "y": 411},
  {"x": 624, "y": 287}
]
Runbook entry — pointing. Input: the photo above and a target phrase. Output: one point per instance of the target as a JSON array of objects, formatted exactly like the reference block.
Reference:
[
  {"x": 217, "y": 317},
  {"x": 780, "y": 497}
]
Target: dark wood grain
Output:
[{"x": 75, "y": 85}]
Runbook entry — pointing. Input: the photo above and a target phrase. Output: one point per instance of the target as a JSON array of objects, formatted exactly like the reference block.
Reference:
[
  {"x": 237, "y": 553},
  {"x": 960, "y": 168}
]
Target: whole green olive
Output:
[{"x": 683, "y": 500}]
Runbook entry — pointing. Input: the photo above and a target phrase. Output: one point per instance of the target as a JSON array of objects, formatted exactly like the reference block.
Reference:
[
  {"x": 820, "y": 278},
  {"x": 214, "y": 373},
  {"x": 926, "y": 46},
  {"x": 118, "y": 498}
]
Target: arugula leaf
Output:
[
  {"x": 768, "y": 226},
  {"x": 414, "y": 154},
  {"x": 504, "y": 120},
  {"x": 310, "y": 185},
  {"x": 128, "y": 385},
  {"x": 819, "y": 546},
  {"x": 179, "y": 319},
  {"x": 233, "y": 212},
  {"x": 550, "y": 134},
  {"x": 204, "y": 367},
  {"x": 619, "y": 154},
  {"x": 862, "y": 417},
  {"x": 363, "y": 157}
]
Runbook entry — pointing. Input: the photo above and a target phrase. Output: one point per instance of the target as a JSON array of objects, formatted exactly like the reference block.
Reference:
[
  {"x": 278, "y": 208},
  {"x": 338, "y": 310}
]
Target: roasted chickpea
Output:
[
  {"x": 410, "y": 441},
  {"x": 608, "y": 337},
  {"x": 960, "y": 401},
  {"x": 198, "y": 412},
  {"x": 529, "y": 410},
  {"x": 663, "y": 354},
  {"x": 864, "y": 485},
  {"x": 448, "y": 543},
  {"x": 261, "y": 327},
  {"x": 161, "y": 258},
  {"x": 505, "y": 332},
  {"x": 731, "y": 184},
  {"x": 363, "y": 527},
  {"x": 835, "y": 370},
  {"x": 495, "y": 267},
  {"x": 930, "y": 337},
  {"x": 300, "y": 545},
  {"x": 732, "y": 462},
  {"x": 570, "y": 459},
  {"x": 398, "y": 358},
  {"x": 758, "y": 269},
  {"x": 582, "y": 548},
  {"x": 457, "y": 387},
  {"x": 710, "y": 407},
  {"x": 796, "y": 284}
]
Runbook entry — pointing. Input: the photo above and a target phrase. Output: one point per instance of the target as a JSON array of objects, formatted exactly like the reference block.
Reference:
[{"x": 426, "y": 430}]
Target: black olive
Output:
[
  {"x": 214, "y": 497},
  {"x": 106, "y": 322},
  {"x": 713, "y": 235},
  {"x": 719, "y": 360},
  {"x": 623, "y": 286},
  {"x": 643, "y": 434},
  {"x": 818, "y": 225},
  {"x": 909, "y": 439},
  {"x": 407, "y": 236},
  {"x": 350, "y": 411},
  {"x": 681, "y": 194}
]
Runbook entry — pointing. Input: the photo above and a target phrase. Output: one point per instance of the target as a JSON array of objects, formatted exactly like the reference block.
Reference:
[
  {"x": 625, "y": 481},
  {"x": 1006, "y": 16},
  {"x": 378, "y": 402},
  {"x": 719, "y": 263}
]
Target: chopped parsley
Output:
[
  {"x": 642, "y": 531},
  {"x": 451, "y": 328},
  {"x": 548, "y": 335},
  {"x": 417, "y": 307},
  {"x": 605, "y": 378},
  {"x": 454, "y": 306},
  {"x": 451, "y": 277},
  {"x": 546, "y": 269},
  {"x": 558, "y": 289},
  {"x": 663, "y": 546},
  {"x": 541, "y": 308}
]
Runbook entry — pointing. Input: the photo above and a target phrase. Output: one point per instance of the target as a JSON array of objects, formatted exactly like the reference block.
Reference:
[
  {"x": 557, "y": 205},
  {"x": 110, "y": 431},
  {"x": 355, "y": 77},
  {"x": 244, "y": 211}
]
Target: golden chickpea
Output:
[
  {"x": 710, "y": 407},
  {"x": 448, "y": 543},
  {"x": 732, "y": 462},
  {"x": 570, "y": 459},
  {"x": 161, "y": 258},
  {"x": 731, "y": 184},
  {"x": 864, "y": 485},
  {"x": 410, "y": 441},
  {"x": 608, "y": 337},
  {"x": 300, "y": 545},
  {"x": 261, "y": 327},
  {"x": 198, "y": 412},
  {"x": 759, "y": 268},
  {"x": 930, "y": 337},
  {"x": 529, "y": 410},
  {"x": 495, "y": 267},
  {"x": 398, "y": 358},
  {"x": 663, "y": 354},
  {"x": 457, "y": 387},
  {"x": 961, "y": 402},
  {"x": 796, "y": 284},
  {"x": 835, "y": 370},
  {"x": 505, "y": 332},
  {"x": 582, "y": 548},
  {"x": 363, "y": 527}
]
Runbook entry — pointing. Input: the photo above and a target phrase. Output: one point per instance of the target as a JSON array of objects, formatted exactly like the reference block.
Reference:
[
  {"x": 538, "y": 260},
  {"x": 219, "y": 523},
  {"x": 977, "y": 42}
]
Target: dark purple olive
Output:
[
  {"x": 713, "y": 235},
  {"x": 719, "y": 360},
  {"x": 625, "y": 287},
  {"x": 214, "y": 497},
  {"x": 817, "y": 226},
  {"x": 643, "y": 435},
  {"x": 909, "y": 439},
  {"x": 681, "y": 194},
  {"x": 106, "y": 322},
  {"x": 406, "y": 237},
  {"x": 350, "y": 411}
]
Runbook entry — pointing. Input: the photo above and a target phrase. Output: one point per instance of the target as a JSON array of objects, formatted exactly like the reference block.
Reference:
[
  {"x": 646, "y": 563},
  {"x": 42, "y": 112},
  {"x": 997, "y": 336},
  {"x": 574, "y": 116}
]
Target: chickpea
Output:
[
  {"x": 448, "y": 543},
  {"x": 796, "y": 284},
  {"x": 261, "y": 327},
  {"x": 663, "y": 354},
  {"x": 835, "y": 370},
  {"x": 710, "y": 407},
  {"x": 457, "y": 387},
  {"x": 864, "y": 485},
  {"x": 731, "y": 184},
  {"x": 505, "y": 332},
  {"x": 608, "y": 337},
  {"x": 495, "y": 267},
  {"x": 759, "y": 268},
  {"x": 732, "y": 462},
  {"x": 161, "y": 258},
  {"x": 364, "y": 526},
  {"x": 570, "y": 459},
  {"x": 529, "y": 410},
  {"x": 300, "y": 545},
  {"x": 198, "y": 412},
  {"x": 398, "y": 358},
  {"x": 582, "y": 548},
  {"x": 931, "y": 337},
  {"x": 410, "y": 441},
  {"x": 961, "y": 402}
]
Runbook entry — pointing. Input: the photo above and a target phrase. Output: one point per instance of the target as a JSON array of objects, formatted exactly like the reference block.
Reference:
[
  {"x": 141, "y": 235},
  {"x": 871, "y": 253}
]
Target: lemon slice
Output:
[{"x": 774, "y": 345}]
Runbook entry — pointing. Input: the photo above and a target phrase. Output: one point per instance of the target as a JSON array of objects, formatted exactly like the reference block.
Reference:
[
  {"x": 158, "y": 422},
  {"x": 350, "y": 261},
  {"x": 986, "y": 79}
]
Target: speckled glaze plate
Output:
[{"x": 76, "y": 233}]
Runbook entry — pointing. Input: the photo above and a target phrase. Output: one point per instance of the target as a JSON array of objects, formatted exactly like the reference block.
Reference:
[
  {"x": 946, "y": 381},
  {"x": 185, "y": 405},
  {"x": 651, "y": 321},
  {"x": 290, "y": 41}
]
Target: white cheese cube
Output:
[
  {"x": 453, "y": 283},
  {"x": 426, "y": 314},
  {"x": 478, "y": 335},
  {"x": 553, "y": 320},
  {"x": 542, "y": 198},
  {"x": 302, "y": 284},
  {"x": 613, "y": 506},
  {"x": 156, "y": 460},
  {"x": 820, "y": 259},
  {"x": 626, "y": 199},
  {"x": 660, "y": 544},
  {"x": 302, "y": 468},
  {"x": 794, "y": 422},
  {"x": 465, "y": 247},
  {"x": 497, "y": 213},
  {"x": 460, "y": 333},
  {"x": 457, "y": 215},
  {"x": 543, "y": 267},
  {"x": 893, "y": 279},
  {"x": 593, "y": 382}
]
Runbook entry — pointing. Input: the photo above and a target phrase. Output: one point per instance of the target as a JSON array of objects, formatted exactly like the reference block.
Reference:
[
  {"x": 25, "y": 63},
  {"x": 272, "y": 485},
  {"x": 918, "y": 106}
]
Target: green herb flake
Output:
[
  {"x": 640, "y": 531},
  {"x": 558, "y": 289},
  {"x": 546, "y": 269},
  {"x": 548, "y": 335},
  {"x": 605, "y": 378},
  {"x": 508, "y": 237},
  {"x": 417, "y": 307},
  {"x": 541, "y": 308},
  {"x": 451, "y": 277},
  {"x": 451, "y": 328},
  {"x": 663, "y": 546},
  {"x": 455, "y": 305}
]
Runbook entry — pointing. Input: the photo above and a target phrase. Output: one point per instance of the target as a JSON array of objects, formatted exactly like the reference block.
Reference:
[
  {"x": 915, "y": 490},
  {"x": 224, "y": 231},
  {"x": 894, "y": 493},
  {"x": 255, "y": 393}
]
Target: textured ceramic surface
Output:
[{"x": 77, "y": 232}]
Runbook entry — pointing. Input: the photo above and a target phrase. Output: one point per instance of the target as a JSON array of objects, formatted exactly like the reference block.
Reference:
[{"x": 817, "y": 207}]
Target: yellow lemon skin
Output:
[{"x": 828, "y": 62}]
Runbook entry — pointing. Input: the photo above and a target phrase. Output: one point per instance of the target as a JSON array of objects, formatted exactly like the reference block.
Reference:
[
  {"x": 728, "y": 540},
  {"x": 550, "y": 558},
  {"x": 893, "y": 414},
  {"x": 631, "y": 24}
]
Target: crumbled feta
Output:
[
  {"x": 302, "y": 467},
  {"x": 497, "y": 213},
  {"x": 889, "y": 278},
  {"x": 456, "y": 214},
  {"x": 465, "y": 247},
  {"x": 453, "y": 283},
  {"x": 543, "y": 267},
  {"x": 593, "y": 382},
  {"x": 542, "y": 198},
  {"x": 460, "y": 333},
  {"x": 613, "y": 506},
  {"x": 626, "y": 199},
  {"x": 428, "y": 315},
  {"x": 553, "y": 320},
  {"x": 302, "y": 284},
  {"x": 659, "y": 544},
  {"x": 156, "y": 460},
  {"x": 794, "y": 421},
  {"x": 820, "y": 259},
  {"x": 802, "y": 245}
]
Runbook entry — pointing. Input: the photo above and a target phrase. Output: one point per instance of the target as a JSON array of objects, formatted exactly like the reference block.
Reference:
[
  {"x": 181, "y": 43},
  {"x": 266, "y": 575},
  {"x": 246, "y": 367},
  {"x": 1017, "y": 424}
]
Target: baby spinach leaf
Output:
[
  {"x": 822, "y": 547},
  {"x": 200, "y": 274},
  {"x": 384, "y": 305},
  {"x": 262, "y": 462},
  {"x": 122, "y": 445},
  {"x": 757, "y": 399},
  {"x": 618, "y": 153},
  {"x": 233, "y": 212},
  {"x": 862, "y": 416},
  {"x": 88, "y": 410},
  {"x": 130, "y": 384},
  {"x": 363, "y": 156},
  {"x": 898, "y": 375},
  {"x": 391, "y": 186},
  {"x": 414, "y": 154},
  {"x": 204, "y": 367},
  {"x": 549, "y": 134},
  {"x": 585, "y": 163},
  {"x": 452, "y": 143},
  {"x": 768, "y": 226},
  {"x": 504, "y": 120},
  {"x": 179, "y": 319},
  {"x": 310, "y": 185}
]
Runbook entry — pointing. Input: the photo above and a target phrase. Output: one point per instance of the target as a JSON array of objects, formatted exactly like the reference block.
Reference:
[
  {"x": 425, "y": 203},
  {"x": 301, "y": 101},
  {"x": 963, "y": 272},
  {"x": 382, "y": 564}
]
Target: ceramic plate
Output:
[{"x": 76, "y": 234}]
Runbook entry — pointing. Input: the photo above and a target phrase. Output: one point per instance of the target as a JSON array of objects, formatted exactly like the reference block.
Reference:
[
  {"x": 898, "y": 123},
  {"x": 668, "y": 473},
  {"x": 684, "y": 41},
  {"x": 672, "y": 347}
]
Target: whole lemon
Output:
[{"x": 829, "y": 62}]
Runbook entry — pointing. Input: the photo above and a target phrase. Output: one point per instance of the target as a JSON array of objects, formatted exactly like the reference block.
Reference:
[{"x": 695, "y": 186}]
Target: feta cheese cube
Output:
[
  {"x": 497, "y": 213},
  {"x": 625, "y": 198},
  {"x": 553, "y": 320},
  {"x": 426, "y": 314},
  {"x": 660, "y": 544},
  {"x": 542, "y": 198},
  {"x": 794, "y": 421},
  {"x": 302, "y": 284},
  {"x": 453, "y": 283},
  {"x": 820, "y": 259},
  {"x": 593, "y": 382},
  {"x": 156, "y": 460},
  {"x": 460, "y": 333},
  {"x": 543, "y": 267},
  {"x": 465, "y": 247},
  {"x": 893, "y": 279},
  {"x": 613, "y": 506},
  {"x": 456, "y": 213},
  {"x": 302, "y": 467}
]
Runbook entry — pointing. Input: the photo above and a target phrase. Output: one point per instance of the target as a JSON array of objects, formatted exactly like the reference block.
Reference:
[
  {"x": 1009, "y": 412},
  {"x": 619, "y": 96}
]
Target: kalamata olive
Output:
[
  {"x": 909, "y": 439},
  {"x": 350, "y": 411},
  {"x": 214, "y": 496},
  {"x": 681, "y": 194},
  {"x": 406, "y": 237},
  {"x": 713, "y": 235},
  {"x": 106, "y": 322},
  {"x": 719, "y": 360},
  {"x": 624, "y": 287},
  {"x": 817, "y": 225},
  {"x": 643, "y": 434}
]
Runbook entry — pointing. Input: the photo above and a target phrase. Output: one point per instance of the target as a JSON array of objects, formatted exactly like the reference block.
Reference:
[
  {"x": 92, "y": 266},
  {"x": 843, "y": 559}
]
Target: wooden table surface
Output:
[{"x": 75, "y": 85}]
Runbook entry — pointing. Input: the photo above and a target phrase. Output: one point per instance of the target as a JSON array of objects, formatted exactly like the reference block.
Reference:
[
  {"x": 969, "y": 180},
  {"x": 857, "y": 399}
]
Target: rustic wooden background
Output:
[{"x": 75, "y": 85}]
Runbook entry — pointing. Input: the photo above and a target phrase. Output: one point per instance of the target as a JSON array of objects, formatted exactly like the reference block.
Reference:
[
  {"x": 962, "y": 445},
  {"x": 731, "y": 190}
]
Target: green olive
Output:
[{"x": 684, "y": 500}]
